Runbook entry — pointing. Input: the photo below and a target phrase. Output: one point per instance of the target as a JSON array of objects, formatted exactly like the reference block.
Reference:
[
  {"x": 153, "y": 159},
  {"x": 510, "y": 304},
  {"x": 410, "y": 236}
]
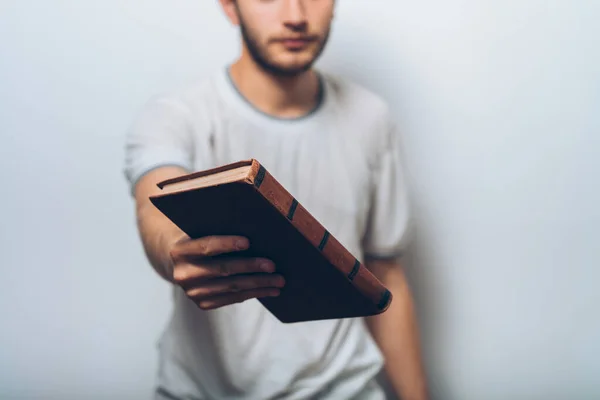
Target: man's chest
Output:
[{"x": 326, "y": 172}]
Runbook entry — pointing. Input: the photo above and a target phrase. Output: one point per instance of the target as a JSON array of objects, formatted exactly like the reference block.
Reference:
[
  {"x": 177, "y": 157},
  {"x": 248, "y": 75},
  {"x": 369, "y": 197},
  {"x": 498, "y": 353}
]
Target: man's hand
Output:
[{"x": 209, "y": 272}]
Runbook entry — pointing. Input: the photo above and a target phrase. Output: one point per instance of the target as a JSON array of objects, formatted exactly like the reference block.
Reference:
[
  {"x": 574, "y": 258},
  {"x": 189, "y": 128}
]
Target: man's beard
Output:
[{"x": 262, "y": 60}]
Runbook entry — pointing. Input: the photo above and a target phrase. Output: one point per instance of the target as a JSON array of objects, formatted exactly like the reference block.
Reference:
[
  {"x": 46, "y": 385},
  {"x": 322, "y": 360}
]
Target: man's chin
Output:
[{"x": 290, "y": 69}]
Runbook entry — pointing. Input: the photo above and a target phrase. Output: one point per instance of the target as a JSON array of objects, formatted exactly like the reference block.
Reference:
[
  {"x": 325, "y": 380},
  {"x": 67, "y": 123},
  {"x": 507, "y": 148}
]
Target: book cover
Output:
[{"x": 323, "y": 279}]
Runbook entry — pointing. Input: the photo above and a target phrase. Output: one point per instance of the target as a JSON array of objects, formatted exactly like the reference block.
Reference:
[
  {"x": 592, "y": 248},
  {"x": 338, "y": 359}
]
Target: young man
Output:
[{"x": 334, "y": 146}]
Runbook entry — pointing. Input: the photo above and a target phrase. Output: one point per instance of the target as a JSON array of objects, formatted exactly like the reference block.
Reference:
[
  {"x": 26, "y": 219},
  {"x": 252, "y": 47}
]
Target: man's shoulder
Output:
[
  {"x": 352, "y": 94},
  {"x": 191, "y": 100}
]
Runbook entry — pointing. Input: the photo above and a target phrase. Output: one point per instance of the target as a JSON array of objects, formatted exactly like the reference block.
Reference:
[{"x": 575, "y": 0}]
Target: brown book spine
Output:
[{"x": 316, "y": 233}]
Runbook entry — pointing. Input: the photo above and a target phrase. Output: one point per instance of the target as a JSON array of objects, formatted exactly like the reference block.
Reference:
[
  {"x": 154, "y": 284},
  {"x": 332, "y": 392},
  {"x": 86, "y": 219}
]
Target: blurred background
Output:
[{"x": 500, "y": 107}]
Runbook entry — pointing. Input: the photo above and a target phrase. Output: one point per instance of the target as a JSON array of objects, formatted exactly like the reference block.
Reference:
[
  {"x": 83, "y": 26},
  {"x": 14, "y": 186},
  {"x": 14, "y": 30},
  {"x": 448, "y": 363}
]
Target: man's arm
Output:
[
  {"x": 396, "y": 333},
  {"x": 157, "y": 232}
]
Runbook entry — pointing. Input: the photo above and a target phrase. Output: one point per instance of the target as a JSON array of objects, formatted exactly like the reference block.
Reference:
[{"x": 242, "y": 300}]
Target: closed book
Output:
[{"x": 323, "y": 279}]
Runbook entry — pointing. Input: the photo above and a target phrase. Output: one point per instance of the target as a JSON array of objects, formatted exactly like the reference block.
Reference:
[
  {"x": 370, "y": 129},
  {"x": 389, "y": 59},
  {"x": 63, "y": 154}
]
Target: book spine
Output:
[{"x": 318, "y": 235}]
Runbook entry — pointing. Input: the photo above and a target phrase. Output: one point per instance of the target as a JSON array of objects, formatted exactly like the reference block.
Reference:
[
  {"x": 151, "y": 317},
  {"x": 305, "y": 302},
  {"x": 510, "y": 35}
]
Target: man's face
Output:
[{"x": 284, "y": 37}]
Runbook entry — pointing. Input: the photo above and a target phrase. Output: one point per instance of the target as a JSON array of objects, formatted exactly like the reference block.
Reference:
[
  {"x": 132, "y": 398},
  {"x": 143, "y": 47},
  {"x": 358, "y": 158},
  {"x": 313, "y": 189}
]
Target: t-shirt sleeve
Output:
[
  {"x": 160, "y": 136},
  {"x": 388, "y": 225}
]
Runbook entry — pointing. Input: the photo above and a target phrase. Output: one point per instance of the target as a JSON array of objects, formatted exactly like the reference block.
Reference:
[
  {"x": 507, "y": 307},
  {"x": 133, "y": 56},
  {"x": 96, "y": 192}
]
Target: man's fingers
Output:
[
  {"x": 234, "y": 285},
  {"x": 214, "y": 282},
  {"x": 209, "y": 246},
  {"x": 186, "y": 273},
  {"x": 225, "y": 300},
  {"x": 233, "y": 266}
]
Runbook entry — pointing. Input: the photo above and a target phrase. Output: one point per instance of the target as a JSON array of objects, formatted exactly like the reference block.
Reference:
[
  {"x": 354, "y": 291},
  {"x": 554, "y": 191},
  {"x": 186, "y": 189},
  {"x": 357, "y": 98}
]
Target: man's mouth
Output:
[{"x": 296, "y": 43}]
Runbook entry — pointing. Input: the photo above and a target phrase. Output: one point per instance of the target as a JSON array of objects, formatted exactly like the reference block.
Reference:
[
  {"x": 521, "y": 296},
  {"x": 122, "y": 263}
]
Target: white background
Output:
[{"x": 500, "y": 104}]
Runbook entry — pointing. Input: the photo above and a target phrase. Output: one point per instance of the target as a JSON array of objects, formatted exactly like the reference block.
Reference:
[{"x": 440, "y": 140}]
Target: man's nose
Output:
[{"x": 294, "y": 14}]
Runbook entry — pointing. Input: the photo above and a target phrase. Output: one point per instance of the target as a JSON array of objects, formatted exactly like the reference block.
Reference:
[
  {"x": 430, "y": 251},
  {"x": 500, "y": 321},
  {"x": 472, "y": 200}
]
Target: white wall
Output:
[{"x": 500, "y": 101}]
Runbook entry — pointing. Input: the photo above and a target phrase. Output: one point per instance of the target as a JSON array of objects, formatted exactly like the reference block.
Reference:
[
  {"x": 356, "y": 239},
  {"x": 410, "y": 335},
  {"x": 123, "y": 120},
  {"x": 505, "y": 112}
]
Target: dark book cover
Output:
[{"x": 323, "y": 279}]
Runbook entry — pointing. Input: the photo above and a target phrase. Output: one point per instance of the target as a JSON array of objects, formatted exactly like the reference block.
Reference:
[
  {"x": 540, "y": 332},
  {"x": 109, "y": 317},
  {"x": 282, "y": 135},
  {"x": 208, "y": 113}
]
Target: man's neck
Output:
[{"x": 282, "y": 97}]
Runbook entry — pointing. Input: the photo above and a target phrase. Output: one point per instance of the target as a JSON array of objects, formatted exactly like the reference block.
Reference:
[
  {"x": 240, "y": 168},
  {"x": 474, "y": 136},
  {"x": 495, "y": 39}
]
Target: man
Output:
[{"x": 333, "y": 145}]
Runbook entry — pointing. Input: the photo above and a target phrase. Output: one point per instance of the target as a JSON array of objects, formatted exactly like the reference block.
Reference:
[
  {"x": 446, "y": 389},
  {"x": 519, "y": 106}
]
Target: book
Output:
[{"x": 323, "y": 279}]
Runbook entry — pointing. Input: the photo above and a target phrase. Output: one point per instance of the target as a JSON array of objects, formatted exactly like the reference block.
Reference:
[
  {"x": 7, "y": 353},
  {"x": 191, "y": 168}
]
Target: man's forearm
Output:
[
  {"x": 157, "y": 232},
  {"x": 157, "y": 237},
  {"x": 396, "y": 333}
]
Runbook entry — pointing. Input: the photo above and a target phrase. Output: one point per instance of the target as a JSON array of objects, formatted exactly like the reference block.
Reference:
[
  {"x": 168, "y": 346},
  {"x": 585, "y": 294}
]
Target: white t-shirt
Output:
[{"x": 342, "y": 162}]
